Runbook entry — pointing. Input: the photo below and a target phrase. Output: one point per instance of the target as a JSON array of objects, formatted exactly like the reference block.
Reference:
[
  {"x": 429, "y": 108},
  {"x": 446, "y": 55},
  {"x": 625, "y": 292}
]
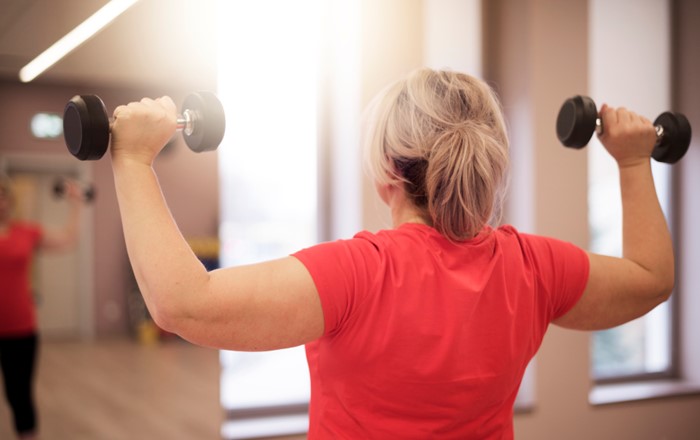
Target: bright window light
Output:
[
  {"x": 74, "y": 38},
  {"x": 267, "y": 81},
  {"x": 643, "y": 347}
]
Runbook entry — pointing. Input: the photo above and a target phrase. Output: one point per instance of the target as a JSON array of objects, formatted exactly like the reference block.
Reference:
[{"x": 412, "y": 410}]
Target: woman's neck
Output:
[
  {"x": 407, "y": 216},
  {"x": 401, "y": 207},
  {"x": 403, "y": 211}
]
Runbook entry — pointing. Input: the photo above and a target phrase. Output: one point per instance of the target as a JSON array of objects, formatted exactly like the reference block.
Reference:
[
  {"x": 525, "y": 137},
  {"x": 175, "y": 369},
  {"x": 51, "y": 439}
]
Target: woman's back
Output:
[{"x": 425, "y": 336}]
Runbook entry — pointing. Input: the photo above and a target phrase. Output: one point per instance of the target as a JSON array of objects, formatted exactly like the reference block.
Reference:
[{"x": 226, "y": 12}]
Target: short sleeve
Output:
[
  {"x": 344, "y": 273},
  {"x": 562, "y": 270},
  {"x": 36, "y": 232},
  {"x": 32, "y": 233}
]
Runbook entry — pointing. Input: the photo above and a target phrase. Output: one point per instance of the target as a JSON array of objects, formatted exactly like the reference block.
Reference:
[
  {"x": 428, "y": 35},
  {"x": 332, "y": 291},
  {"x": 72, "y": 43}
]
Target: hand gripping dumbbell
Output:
[
  {"x": 59, "y": 190},
  {"x": 578, "y": 119},
  {"x": 86, "y": 126}
]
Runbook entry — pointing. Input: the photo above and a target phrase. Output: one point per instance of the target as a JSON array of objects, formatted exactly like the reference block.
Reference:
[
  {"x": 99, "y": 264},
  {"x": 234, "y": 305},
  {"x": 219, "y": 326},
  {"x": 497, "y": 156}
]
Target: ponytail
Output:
[{"x": 463, "y": 182}]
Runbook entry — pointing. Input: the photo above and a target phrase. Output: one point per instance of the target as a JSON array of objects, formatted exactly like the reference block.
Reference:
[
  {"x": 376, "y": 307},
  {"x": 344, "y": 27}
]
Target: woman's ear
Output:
[
  {"x": 388, "y": 190},
  {"x": 383, "y": 191}
]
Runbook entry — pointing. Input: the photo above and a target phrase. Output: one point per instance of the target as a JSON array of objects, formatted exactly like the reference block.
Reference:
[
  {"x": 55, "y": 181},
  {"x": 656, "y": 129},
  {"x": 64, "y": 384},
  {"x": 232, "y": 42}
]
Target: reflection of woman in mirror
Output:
[{"x": 19, "y": 240}]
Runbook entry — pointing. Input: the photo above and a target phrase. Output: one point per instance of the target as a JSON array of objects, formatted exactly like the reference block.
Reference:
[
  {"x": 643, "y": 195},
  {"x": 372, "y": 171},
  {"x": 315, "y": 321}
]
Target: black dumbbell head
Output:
[
  {"x": 576, "y": 121},
  {"x": 86, "y": 127},
  {"x": 59, "y": 188},
  {"x": 89, "y": 193},
  {"x": 209, "y": 124},
  {"x": 675, "y": 140}
]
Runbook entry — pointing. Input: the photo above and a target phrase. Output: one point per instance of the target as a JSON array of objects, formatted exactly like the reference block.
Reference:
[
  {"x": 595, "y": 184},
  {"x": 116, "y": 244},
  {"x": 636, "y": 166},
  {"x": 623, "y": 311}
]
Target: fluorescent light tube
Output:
[{"x": 74, "y": 38}]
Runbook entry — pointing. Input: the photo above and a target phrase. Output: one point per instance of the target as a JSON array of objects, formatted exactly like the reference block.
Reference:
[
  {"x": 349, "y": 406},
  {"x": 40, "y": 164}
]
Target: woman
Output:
[
  {"x": 423, "y": 330},
  {"x": 19, "y": 243}
]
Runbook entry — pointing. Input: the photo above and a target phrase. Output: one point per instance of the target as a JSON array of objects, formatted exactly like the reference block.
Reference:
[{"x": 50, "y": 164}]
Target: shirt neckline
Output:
[{"x": 485, "y": 232}]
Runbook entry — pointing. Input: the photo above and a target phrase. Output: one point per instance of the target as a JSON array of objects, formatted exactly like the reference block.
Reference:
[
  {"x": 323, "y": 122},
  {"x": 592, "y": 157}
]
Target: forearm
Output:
[
  {"x": 622, "y": 289},
  {"x": 166, "y": 269},
  {"x": 646, "y": 239},
  {"x": 70, "y": 230},
  {"x": 65, "y": 238}
]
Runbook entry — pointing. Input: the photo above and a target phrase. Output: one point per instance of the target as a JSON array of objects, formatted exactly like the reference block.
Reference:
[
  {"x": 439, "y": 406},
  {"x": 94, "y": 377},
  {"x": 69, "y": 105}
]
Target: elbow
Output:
[
  {"x": 669, "y": 279},
  {"x": 175, "y": 305},
  {"x": 665, "y": 286},
  {"x": 162, "y": 320},
  {"x": 667, "y": 289},
  {"x": 165, "y": 315}
]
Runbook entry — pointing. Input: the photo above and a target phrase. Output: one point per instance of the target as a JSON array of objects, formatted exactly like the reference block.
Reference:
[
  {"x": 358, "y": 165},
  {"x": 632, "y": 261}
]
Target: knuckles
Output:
[{"x": 147, "y": 111}]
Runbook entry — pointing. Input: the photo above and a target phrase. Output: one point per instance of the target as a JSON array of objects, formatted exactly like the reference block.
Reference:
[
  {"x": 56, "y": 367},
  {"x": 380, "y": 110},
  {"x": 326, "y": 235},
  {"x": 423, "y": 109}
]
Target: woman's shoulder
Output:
[{"x": 26, "y": 227}]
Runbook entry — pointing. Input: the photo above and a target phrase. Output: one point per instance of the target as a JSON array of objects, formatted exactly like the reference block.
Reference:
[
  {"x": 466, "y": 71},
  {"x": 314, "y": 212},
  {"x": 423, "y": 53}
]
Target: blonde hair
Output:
[{"x": 443, "y": 135}]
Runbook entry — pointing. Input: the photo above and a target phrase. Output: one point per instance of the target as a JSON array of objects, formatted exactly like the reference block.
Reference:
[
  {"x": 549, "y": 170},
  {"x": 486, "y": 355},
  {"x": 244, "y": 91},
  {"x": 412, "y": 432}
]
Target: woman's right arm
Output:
[
  {"x": 622, "y": 289},
  {"x": 263, "y": 306}
]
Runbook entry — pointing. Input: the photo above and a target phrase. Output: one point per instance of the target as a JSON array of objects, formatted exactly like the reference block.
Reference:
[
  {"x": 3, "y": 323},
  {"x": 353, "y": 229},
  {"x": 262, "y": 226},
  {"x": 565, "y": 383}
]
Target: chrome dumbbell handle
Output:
[
  {"x": 599, "y": 129},
  {"x": 187, "y": 121}
]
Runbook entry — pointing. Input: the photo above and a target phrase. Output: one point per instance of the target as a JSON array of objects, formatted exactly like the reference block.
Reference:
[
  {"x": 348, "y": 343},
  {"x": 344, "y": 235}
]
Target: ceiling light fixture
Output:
[{"x": 74, "y": 38}]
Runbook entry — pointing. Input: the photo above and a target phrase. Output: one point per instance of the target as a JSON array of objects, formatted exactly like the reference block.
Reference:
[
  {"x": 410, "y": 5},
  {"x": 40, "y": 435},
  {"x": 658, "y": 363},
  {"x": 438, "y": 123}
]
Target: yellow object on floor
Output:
[{"x": 148, "y": 333}]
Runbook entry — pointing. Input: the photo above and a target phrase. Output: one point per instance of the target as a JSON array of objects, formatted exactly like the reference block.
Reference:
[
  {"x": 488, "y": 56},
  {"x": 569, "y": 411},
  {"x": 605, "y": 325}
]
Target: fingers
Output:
[
  {"x": 622, "y": 114},
  {"x": 615, "y": 117},
  {"x": 167, "y": 103},
  {"x": 141, "y": 128},
  {"x": 163, "y": 106},
  {"x": 628, "y": 136}
]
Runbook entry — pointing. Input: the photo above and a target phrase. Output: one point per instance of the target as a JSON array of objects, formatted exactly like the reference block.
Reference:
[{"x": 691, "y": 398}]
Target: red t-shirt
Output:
[
  {"x": 426, "y": 338},
  {"x": 17, "y": 315}
]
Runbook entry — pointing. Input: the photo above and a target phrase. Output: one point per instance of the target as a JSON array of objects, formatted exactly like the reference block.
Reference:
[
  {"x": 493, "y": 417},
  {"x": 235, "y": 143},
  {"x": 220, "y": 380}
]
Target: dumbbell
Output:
[
  {"x": 86, "y": 126},
  {"x": 59, "y": 190},
  {"x": 578, "y": 119}
]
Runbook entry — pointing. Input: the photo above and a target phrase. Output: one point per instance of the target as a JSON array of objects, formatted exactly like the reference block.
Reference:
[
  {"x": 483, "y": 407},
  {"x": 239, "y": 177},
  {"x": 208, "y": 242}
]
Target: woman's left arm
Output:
[
  {"x": 65, "y": 238},
  {"x": 258, "y": 307}
]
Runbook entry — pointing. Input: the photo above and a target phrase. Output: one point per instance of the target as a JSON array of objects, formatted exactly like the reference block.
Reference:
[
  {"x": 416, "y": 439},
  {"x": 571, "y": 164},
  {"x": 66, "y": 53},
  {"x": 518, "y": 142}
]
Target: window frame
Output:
[
  {"x": 675, "y": 380},
  {"x": 611, "y": 85}
]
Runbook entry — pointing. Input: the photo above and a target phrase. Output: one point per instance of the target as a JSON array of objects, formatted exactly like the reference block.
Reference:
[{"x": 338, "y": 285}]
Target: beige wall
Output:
[
  {"x": 189, "y": 182},
  {"x": 391, "y": 46}
]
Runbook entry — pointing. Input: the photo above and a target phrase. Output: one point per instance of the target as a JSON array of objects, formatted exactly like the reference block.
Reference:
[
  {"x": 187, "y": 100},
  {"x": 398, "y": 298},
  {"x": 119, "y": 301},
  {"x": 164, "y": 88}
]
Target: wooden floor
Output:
[{"x": 120, "y": 390}]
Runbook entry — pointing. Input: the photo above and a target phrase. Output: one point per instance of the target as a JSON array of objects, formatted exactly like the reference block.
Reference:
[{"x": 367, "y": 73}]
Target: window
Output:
[
  {"x": 621, "y": 34},
  {"x": 643, "y": 346},
  {"x": 268, "y": 62}
]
